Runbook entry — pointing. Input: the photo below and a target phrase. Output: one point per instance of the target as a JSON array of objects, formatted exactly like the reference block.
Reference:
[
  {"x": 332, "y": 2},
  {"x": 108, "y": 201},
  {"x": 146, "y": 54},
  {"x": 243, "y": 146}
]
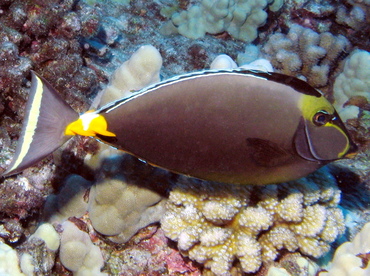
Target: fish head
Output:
[{"x": 321, "y": 135}]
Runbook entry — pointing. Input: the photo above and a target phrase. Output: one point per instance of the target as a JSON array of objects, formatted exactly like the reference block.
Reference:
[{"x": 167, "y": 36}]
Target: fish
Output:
[{"x": 233, "y": 125}]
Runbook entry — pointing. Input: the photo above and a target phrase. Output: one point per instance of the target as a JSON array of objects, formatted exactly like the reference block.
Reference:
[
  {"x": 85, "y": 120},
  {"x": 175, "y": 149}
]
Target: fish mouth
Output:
[{"x": 352, "y": 152}]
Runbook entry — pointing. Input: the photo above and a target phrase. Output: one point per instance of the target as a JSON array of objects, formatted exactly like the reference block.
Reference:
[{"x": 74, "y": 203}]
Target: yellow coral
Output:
[
  {"x": 215, "y": 224},
  {"x": 332, "y": 229},
  {"x": 313, "y": 222},
  {"x": 291, "y": 207},
  {"x": 278, "y": 238},
  {"x": 255, "y": 219}
]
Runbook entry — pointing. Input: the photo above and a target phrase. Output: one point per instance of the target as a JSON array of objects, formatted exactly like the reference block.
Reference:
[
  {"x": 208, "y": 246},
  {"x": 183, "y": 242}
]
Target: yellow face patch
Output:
[
  {"x": 310, "y": 105},
  {"x": 89, "y": 124}
]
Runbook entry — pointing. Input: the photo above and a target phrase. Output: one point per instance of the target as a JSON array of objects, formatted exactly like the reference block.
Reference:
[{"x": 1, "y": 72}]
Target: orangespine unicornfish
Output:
[{"x": 234, "y": 126}]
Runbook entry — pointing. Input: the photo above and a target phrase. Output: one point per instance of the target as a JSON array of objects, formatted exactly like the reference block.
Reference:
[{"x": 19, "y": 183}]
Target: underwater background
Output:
[{"x": 92, "y": 210}]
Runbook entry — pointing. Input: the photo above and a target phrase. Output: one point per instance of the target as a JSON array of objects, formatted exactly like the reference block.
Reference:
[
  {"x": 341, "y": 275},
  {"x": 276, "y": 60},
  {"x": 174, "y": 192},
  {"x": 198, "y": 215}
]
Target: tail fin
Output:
[{"x": 47, "y": 116}]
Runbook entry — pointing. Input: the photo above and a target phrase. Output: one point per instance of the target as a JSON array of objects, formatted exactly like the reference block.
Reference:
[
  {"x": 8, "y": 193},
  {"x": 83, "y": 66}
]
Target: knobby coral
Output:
[
  {"x": 353, "y": 82},
  {"x": 117, "y": 207},
  {"x": 9, "y": 261},
  {"x": 305, "y": 53},
  {"x": 352, "y": 258},
  {"x": 216, "y": 224},
  {"x": 240, "y": 18},
  {"x": 78, "y": 253},
  {"x": 139, "y": 71}
]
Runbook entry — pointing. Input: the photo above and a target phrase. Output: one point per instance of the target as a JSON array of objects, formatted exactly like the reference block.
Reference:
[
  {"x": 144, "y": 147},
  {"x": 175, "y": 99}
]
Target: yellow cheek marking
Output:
[
  {"x": 310, "y": 105},
  {"x": 89, "y": 124},
  {"x": 34, "y": 113},
  {"x": 346, "y": 148}
]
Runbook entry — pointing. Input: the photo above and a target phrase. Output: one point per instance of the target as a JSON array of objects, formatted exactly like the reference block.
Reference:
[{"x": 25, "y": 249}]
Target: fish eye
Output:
[{"x": 321, "y": 118}]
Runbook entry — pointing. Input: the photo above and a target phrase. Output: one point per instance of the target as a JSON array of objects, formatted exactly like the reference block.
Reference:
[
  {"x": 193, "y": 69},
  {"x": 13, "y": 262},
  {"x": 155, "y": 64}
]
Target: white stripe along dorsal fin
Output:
[{"x": 297, "y": 84}]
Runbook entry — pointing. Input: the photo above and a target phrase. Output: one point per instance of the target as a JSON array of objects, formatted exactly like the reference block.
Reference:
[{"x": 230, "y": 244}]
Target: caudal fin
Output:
[{"x": 46, "y": 118}]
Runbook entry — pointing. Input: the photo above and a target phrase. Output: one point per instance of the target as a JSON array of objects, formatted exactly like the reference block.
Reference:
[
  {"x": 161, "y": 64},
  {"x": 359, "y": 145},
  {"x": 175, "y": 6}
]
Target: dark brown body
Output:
[
  {"x": 224, "y": 127},
  {"x": 234, "y": 126}
]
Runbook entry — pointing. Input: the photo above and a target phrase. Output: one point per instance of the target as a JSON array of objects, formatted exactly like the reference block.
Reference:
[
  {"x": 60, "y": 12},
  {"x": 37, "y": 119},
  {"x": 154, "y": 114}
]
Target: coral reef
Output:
[
  {"x": 47, "y": 233},
  {"x": 214, "y": 225},
  {"x": 118, "y": 207},
  {"x": 305, "y": 53},
  {"x": 353, "y": 14},
  {"x": 139, "y": 71},
  {"x": 293, "y": 264},
  {"x": 70, "y": 201},
  {"x": 9, "y": 261},
  {"x": 352, "y": 258},
  {"x": 240, "y": 19},
  {"x": 151, "y": 254},
  {"x": 223, "y": 62},
  {"x": 39, "y": 251},
  {"x": 78, "y": 253},
  {"x": 353, "y": 18},
  {"x": 22, "y": 198},
  {"x": 352, "y": 86},
  {"x": 26, "y": 44},
  {"x": 250, "y": 54},
  {"x": 77, "y": 47},
  {"x": 118, "y": 204},
  {"x": 43, "y": 36}
]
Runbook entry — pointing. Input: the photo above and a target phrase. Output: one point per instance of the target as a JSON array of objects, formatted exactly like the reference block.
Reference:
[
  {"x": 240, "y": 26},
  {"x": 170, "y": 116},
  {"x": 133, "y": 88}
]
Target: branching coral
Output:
[
  {"x": 305, "y": 53},
  {"x": 225, "y": 62},
  {"x": 354, "y": 14},
  {"x": 117, "y": 207},
  {"x": 217, "y": 224},
  {"x": 239, "y": 18}
]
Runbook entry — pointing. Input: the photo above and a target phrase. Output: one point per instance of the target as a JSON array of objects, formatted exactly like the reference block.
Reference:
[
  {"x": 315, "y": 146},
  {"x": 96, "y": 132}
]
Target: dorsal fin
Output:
[{"x": 294, "y": 82}]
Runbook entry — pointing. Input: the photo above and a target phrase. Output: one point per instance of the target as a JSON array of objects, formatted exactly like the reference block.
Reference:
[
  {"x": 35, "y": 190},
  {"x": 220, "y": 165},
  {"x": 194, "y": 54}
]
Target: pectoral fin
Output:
[{"x": 266, "y": 153}]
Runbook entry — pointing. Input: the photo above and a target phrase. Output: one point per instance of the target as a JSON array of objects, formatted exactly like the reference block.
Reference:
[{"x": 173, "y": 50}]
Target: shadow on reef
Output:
[
  {"x": 87, "y": 179},
  {"x": 355, "y": 193},
  {"x": 139, "y": 173}
]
